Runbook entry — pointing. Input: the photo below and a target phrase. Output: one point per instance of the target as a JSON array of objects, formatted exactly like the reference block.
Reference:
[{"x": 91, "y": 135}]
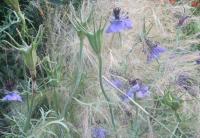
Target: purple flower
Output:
[
  {"x": 12, "y": 97},
  {"x": 182, "y": 20},
  {"x": 154, "y": 51},
  {"x": 117, "y": 83},
  {"x": 143, "y": 92},
  {"x": 138, "y": 90},
  {"x": 99, "y": 132},
  {"x": 120, "y": 22}
]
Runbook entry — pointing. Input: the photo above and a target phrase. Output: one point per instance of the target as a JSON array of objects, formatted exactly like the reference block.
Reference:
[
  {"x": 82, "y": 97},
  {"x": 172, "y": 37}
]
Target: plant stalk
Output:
[
  {"x": 23, "y": 25},
  {"x": 103, "y": 91},
  {"x": 30, "y": 110}
]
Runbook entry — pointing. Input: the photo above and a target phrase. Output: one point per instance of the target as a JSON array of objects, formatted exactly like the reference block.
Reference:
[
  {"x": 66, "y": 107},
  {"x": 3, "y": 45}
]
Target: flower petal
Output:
[
  {"x": 142, "y": 94},
  {"x": 160, "y": 49},
  {"x": 155, "y": 53},
  {"x": 12, "y": 97},
  {"x": 128, "y": 24},
  {"x": 117, "y": 83},
  {"x": 115, "y": 27},
  {"x": 99, "y": 133},
  {"x": 130, "y": 93}
]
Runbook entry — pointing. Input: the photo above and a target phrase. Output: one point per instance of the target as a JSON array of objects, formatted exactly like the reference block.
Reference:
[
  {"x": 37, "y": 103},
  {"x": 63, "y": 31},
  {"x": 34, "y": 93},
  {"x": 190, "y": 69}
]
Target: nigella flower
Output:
[
  {"x": 154, "y": 50},
  {"x": 99, "y": 132},
  {"x": 120, "y": 22},
  {"x": 182, "y": 20},
  {"x": 138, "y": 90},
  {"x": 12, "y": 97}
]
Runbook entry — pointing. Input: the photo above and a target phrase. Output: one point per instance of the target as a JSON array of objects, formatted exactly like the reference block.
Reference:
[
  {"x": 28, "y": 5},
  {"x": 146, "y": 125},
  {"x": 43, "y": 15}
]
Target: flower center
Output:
[{"x": 116, "y": 13}]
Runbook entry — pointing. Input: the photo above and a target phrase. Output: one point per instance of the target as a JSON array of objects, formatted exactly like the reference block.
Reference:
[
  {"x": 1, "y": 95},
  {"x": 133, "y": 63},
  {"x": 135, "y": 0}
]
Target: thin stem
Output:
[
  {"x": 120, "y": 39},
  {"x": 175, "y": 130},
  {"x": 78, "y": 77},
  {"x": 136, "y": 117},
  {"x": 24, "y": 27},
  {"x": 30, "y": 111},
  {"x": 177, "y": 116},
  {"x": 103, "y": 91},
  {"x": 177, "y": 36},
  {"x": 111, "y": 41},
  {"x": 56, "y": 100}
]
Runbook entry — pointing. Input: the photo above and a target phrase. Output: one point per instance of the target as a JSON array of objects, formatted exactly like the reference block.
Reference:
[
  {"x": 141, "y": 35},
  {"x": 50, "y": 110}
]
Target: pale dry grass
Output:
[{"x": 127, "y": 65}]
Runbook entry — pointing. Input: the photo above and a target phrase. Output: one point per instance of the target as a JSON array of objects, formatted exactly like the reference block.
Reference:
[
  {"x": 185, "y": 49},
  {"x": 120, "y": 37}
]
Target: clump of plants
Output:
[{"x": 71, "y": 81}]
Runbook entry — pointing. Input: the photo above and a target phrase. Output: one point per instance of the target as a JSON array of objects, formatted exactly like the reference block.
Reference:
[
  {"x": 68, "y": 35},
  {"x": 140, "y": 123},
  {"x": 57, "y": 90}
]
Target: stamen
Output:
[{"x": 116, "y": 13}]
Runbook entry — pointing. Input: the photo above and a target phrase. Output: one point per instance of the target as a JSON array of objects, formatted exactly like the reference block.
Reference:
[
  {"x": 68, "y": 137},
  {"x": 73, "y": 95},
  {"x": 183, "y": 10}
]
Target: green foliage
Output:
[
  {"x": 191, "y": 28},
  {"x": 172, "y": 101},
  {"x": 195, "y": 47}
]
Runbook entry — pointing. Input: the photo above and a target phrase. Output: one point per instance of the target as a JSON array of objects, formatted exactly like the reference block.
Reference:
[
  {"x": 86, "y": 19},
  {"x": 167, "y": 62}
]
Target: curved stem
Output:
[{"x": 103, "y": 91}]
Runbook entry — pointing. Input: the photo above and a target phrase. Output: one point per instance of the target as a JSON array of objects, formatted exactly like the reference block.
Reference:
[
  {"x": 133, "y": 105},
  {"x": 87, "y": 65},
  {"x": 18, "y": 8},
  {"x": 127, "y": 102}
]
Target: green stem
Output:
[
  {"x": 78, "y": 77},
  {"x": 30, "y": 108},
  {"x": 177, "y": 117},
  {"x": 136, "y": 118},
  {"x": 177, "y": 36},
  {"x": 103, "y": 91},
  {"x": 56, "y": 100},
  {"x": 120, "y": 39},
  {"x": 22, "y": 17}
]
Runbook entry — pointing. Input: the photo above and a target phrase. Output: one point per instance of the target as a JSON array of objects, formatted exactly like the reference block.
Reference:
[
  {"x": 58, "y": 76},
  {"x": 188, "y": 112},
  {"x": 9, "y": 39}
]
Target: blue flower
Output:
[
  {"x": 120, "y": 22},
  {"x": 154, "y": 51},
  {"x": 138, "y": 90},
  {"x": 12, "y": 97},
  {"x": 143, "y": 92},
  {"x": 99, "y": 132}
]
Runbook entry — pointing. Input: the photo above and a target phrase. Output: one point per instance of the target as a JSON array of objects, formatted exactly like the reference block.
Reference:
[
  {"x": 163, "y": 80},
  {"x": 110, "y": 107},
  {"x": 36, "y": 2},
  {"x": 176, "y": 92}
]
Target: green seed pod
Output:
[
  {"x": 30, "y": 57},
  {"x": 96, "y": 41},
  {"x": 28, "y": 51}
]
